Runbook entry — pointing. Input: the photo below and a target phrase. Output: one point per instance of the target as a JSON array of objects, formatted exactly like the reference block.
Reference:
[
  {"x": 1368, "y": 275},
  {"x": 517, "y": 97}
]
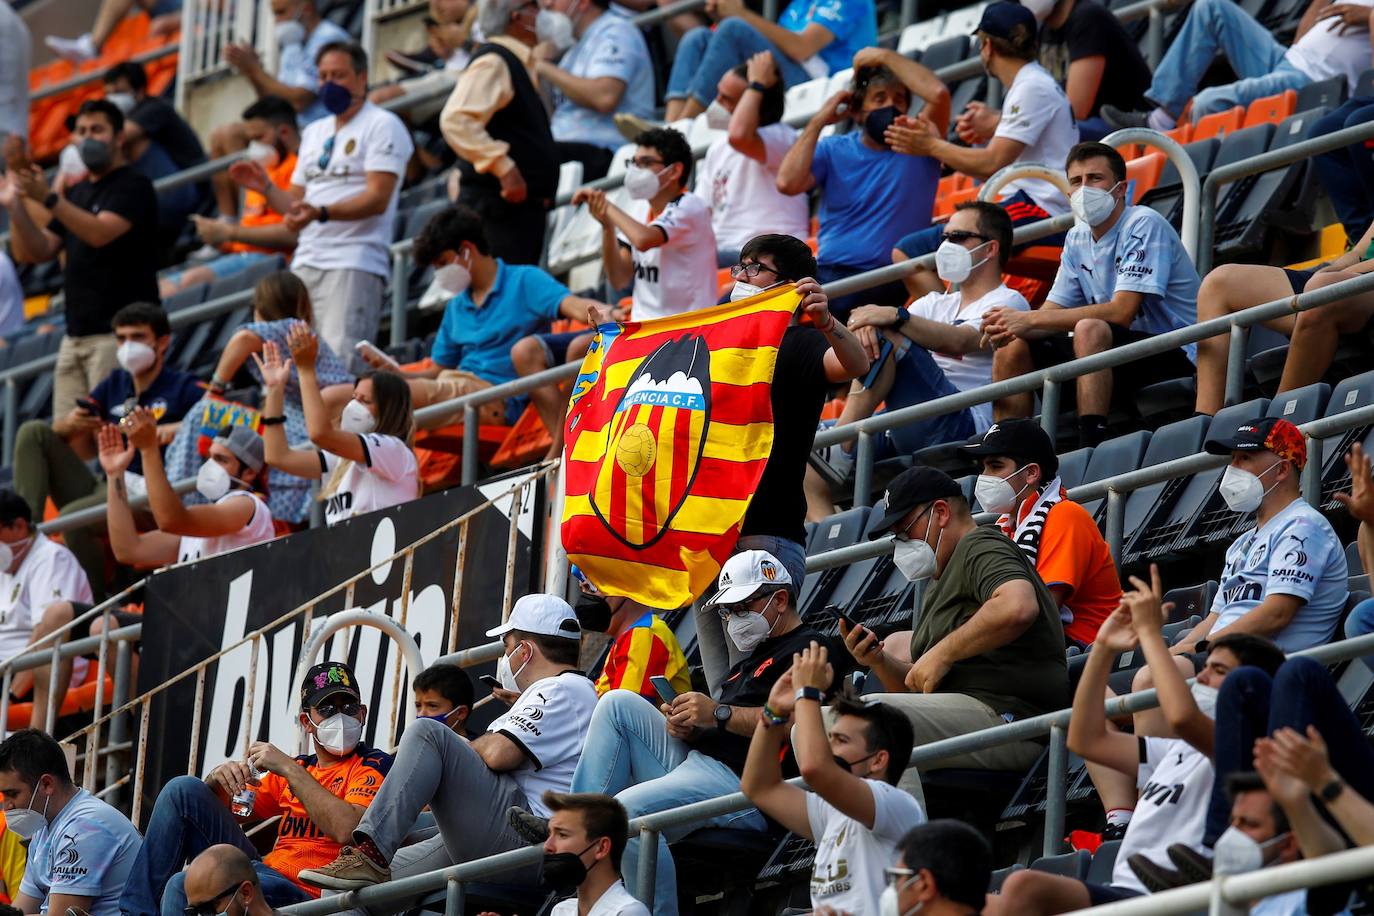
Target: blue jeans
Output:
[
  {"x": 1361, "y": 623},
  {"x": 1347, "y": 174},
  {"x": 1254, "y": 54},
  {"x": 629, "y": 754},
  {"x": 1252, "y": 705},
  {"x": 704, "y": 56},
  {"x": 187, "y": 819},
  {"x": 919, "y": 379}
]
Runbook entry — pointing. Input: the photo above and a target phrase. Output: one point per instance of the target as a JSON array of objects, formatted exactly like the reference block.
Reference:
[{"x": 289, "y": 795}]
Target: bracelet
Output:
[
  {"x": 808, "y": 693},
  {"x": 829, "y": 327},
  {"x": 771, "y": 718},
  {"x": 272, "y": 421}
]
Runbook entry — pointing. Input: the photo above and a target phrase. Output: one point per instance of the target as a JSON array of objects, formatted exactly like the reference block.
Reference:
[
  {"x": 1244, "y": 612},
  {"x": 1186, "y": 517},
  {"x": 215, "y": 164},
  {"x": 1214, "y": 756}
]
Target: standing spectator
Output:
[
  {"x": 365, "y": 460},
  {"x": 102, "y": 225},
  {"x": 855, "y": 818},
  {"x": 81, "y": 850},
  {"x": 11, "y": 298},
  {"x": 605, "y": 70},
  {"x": 1124, "y": 276},
  {"x": 496, "y": 123},
  {"x": 644, "y": 646},
  {"x": 579, "y": 823},
  {"x": 15, "y": 53},
  {"x": 1036, "y": 125},
  {"x": 319, "y": 797},
  {"x": 165, "y": 15},
  {"x": 810, "y": 40},
  {"x": 988, "y": 647},
  {"x": 1089, "y": 52},
  {"x": 738, "y": 179},
  {"x": 857, "y": 172},
  {"x": 944, "y": 869}
]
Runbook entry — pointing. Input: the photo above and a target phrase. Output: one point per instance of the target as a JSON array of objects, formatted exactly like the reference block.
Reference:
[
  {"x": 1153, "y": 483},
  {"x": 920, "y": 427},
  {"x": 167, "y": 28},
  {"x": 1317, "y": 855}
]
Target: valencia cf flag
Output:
[{"x": 669, "y": 427}]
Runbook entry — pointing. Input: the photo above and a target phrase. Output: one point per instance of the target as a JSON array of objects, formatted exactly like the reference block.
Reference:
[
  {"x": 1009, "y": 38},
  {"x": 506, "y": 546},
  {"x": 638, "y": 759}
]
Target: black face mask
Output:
[
  {"x": 877, "y": 121},
  {"x": 847, "y": 766},
  {"x": 96, "y": 154},
  {"x": 594, "y": 613},
  {"x": 563, "y": 869}
]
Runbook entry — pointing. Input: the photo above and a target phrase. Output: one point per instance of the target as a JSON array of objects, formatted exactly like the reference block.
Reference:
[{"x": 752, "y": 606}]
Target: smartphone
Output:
[
  {"x": 663, "y": 688},
  {"x": 92, "y": 406},
  {"x": 367, "y": 348},
  {"x": 834, "y": 611},
  {"x": 884, "y": 352},
  {"x": 490, "y": 681}
]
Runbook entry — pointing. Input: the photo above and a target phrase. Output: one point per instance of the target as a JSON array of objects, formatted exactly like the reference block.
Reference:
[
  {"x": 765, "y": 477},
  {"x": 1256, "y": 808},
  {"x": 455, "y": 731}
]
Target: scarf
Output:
[{"x": 1032, "y": 525}]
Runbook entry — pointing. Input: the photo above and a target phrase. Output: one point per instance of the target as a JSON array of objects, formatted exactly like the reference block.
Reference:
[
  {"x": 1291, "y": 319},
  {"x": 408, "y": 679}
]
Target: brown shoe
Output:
[{"x": 350, "y": 871}]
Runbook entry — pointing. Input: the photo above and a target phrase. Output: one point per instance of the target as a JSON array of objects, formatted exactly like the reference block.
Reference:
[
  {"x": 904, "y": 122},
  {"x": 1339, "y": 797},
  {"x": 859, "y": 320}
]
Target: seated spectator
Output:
[
  {"x": 1037, "y": 125},
  {"x": 644, "y": 646},
  {"x": 236, "y": 517},
  {"x": 100, "y": 225},
  {"x": 1018, "y": 479},
  {"x": 663, "y": 244},
  {"x": 224, "y": 869},
  {"x": 364, "y": 459},
  {"x": 50, "y": 460},
  {"x": 448, "y": 49},
  {"x": 1359, "y": 502},
  {"x": 258, "y": 232},
  {"x": 1124, "y": 276},
  {"x": 165, "y": 16},
  {"x": 280, "y": 302},
  {"x": 933, "y": 347},
  {"x": 856, "y": 819},
  {"x": 1089, "y": 52},
  {"x": 858, "y": 171},
  {"x": 988, "y": 647},
  {"x": 1347, "y": 174},
  {"x": 470, "y": 785},
  {"x": 1322, "y": 49},
  {"x": 444, "y": 693},
  {"x": 809, "y": 41},
  {"x": 81, "y": 850},
  {"x": 494, "y": 305},
  {"x": 580, "y": 823},
  {"x": 597, "y": 65},
  {"x": 943, "y": 869},
  {"x": 320, "y": 798},
  {"x": 738, "y": 179}
]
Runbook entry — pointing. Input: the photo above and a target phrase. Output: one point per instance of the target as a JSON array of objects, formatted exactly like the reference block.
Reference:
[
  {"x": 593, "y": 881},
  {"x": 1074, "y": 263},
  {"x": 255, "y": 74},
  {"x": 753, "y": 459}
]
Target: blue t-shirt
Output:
[
  {"x": 1295, "y": 553},
  {"x": 611, "y": 46},
  {"x": 869, "y": 200},
  {"x": 169, "y": 397},
  {"x": 87, "y": 851},
  {"x": 1141, "y": 253},
  {"x": 477, "y": 339},
  {"x": 854, "y": 23},
  {"x": 296, "y": 65}
]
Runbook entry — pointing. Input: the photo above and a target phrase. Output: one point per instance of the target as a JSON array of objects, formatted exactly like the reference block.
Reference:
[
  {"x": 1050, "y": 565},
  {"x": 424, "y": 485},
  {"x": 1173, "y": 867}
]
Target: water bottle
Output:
[{"x": 241, "y": 805}]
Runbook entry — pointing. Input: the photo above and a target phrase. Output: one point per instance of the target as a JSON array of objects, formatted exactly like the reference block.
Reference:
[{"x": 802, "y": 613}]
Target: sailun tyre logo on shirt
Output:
[
  {"x": 66, "y": 860},
  {"x": 1297, "y": 555}
]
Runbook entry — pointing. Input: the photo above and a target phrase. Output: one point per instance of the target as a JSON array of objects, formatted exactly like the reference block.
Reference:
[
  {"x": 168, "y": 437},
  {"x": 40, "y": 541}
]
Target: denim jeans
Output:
[
  {"x": 704, "y": 56},
  {"x": 1347, "y": 174},
  {"x": 629, "y": 754},
  {"x": 187, "y": 819},
  {"x": 1254, "y": 54},
  {"x": 1361, "y": 623},
  {"x": 1252, "y": 705},
  {"x": 919, "y": 379}
]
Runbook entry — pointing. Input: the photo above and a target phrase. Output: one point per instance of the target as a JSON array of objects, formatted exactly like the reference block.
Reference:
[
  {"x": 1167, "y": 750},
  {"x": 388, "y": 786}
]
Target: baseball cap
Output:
[
  {"x": 1273, "y": 433},
  {"x": 542, "y": 615},
  {"x": 326, "y": 679},
  {"x": 745, "y": 573},
  {"x": 1001, "y": 18},
  {"x": 916, "y": 485},
  {"x": 1024, "y": 441},
  {"x": 244, "y": 443}
]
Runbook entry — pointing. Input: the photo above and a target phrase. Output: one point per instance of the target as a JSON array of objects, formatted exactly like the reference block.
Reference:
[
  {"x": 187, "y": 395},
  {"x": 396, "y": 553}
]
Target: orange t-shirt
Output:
[
  {"x": 255, "y": 209},
  {"x": 300, "y": 844},
  {"x": 1074, "y": 554}
]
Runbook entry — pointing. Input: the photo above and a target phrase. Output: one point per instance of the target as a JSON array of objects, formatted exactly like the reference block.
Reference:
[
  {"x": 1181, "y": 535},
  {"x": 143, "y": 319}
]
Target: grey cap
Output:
[{"x": 244, "y": 443}]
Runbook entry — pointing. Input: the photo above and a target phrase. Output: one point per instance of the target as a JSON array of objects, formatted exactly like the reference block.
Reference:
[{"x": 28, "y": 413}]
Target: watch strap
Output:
[
  {"x": 757, "y": 86},
  {"x": 324, "y": 215},
  {"x": 272, "y": 421},
  {"x": 1332, "y": 790},
  {"x": 51, "y": 200},
  {"x": 809, "y": 693},
  {"x": 903, "y": 316}
]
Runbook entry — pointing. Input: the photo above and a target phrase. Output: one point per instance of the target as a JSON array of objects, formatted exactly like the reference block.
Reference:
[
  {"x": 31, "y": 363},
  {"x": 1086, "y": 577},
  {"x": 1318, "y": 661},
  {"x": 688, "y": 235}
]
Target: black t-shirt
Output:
[
  {"x": 101, "y": 281},
  {"x": 1091, "y": 30},
  {"x": 798, "y": 395},
  {"x": 748, "y": 684},
  {"x": 160, "y": 121}
]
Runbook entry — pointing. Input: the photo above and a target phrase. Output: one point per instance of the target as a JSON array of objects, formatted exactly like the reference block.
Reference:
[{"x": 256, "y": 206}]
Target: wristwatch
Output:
[
  {"x": 324, "y": 215},
  {"x": 1332, "y": 790},
  {"x": 758, "y": 87},
  {"x": 723, "y": 714},
  {"x": 809, "y": 693},
  {"x": 51, "y": 200},
  {"x": 903, "y": 316}
]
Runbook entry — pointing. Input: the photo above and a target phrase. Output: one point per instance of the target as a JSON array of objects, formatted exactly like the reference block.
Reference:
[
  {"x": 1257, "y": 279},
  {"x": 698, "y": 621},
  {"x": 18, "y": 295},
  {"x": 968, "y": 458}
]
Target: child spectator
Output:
[{"x": 444, "y": 693}]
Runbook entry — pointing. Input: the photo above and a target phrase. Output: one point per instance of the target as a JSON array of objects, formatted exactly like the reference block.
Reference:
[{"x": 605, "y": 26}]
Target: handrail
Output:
[
  {"x": 93, "y": 514},
  {"x": 93, "y": 76},
  {"x": 1188, "y": 177}
]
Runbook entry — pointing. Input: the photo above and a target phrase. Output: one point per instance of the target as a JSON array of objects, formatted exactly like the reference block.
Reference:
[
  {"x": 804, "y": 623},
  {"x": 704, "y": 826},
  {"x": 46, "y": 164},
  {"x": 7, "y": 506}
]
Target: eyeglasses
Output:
[
  {"x": 644, "y": 162},
  {"x": 742, "y": 607},
  {"x": 211, "y": 907},
  {"x": 902, "y": 535},
  {"x": 893, "y": 874},
  {"x": 331, "y": 709},
  {"x": 961, "y": 237},
  {"x": 328, "y": 153},
  {"x": 750, "y": 270}
]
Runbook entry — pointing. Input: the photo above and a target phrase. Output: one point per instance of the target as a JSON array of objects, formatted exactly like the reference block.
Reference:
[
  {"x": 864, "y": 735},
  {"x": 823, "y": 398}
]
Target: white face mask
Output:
[
  {"x": 356, "y": 418},
  {"x": 124, "y": 101},
  {"x": 554, "y": 27},
  {"x": 7, "y": 552},
  {"x": 915, "y": 559},
  {"x": 954, "y": 262},
  {"x": 717, "y": 116},
  {"x": 747, "y": 631},
  {"x": 642, "y": 183},
  {"x": 212, "y": 480},
  {"x": 265, "y": 154},
  {"x": 289, "y": 32},
  {"x": 1235, "y": 853},
  {"x": 136, "y": 356},
  {"x": 505, "y": 676},
  {"x": 339, "y": 734},
  {"x": 1243, "y": 491},
  {"x": 1206, "y": 699},
  {"x": 888, "y": 903},
  {"x": 454, "y": 278},
  {"x": 1093, "y": 205},
  {"x": 743, "y": 289},
  {"x": 69, "y": 161},
  {"x": 25, "y": 822},
  {"x": 995, "y": 494}
]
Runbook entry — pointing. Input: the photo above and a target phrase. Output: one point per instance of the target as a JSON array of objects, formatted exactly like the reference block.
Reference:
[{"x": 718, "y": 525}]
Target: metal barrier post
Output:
[
  {"x": 1116, "y": 522},
  {"x": 908, "y": 12},
  {"x": 469, "y": 444},
  {"x": 1312, "y": 473},
  {"x": 11, "y": 421},
  {"x": 454, "y": 898},
  {"x": 1235, "y": 364},
  {"x": 863, "y": 470},
  {"x": 1049, "y": 409},
  {"x": 118, "y": 724},
  {"x": 648, "y": 865},
  {"x": 400, "y": 293},
  {"x": 1055, "y": 791},
  {"x": 1154, "y": 38}
]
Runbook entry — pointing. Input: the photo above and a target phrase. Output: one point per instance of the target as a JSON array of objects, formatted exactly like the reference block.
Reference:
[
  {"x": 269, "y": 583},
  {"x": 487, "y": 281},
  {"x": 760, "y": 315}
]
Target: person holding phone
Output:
[{"x": 645, "y": 649}]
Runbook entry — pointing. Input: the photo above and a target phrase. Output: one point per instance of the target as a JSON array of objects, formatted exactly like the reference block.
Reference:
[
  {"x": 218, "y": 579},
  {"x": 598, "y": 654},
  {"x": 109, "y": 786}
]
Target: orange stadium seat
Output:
[
  {"x": 1271, "y": 109},
  {"x": 1218, "y": 125},
  {"x": 1183, "y": 133},
  {"x": 1145, "y": 172}
]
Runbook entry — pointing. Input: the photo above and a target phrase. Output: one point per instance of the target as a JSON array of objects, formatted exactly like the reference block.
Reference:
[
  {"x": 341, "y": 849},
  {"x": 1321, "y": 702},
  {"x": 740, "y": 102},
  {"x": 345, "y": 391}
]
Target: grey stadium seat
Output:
[
  {"x": 1147, "y": 504},
  {"x": 1115, "y": 456}
]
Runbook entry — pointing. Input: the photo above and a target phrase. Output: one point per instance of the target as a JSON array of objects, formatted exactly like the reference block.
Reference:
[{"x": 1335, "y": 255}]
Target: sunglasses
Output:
[
  {"x": 331, "y": 709},
  {"x": 959, "y": 236},
  {"x": 328, "y": 154},
  {"x": 211, "y": 907}
]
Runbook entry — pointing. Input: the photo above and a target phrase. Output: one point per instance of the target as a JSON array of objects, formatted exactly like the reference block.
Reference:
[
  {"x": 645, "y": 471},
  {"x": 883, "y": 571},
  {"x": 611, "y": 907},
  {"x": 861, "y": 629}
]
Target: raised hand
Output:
[
  {"x": 115, "y": 455},
  {"x": 1359, "y": 502},
  {"x": 305, "y": 346},
  {"x": 276, "y": 372}
]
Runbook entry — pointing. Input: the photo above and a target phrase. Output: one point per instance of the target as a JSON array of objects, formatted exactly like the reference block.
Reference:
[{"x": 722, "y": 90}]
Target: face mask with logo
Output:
[
  {"x": 1236, "y": 853},
  {"x": 289, "y": 32},
  {"x": 339, "y": 734},
  {"x": 136, "y": 356},
  {"x": 994, "y": 494},
  {"x": 717, "y": 116},
  {"x": 1093, "y": 205},
  {"x": 505, "y": 676},
  {"x": 124, "y": 101},
  {"x": 554, "y": 27},
  {"x": 1243, "y": 491},
  {"x": 265, "y": 154},
  {"x": 25, "y": 822},
  {"x": 1206, "y": 699},
  {"x": 563, "y": 869},
  {"x": 97, "y": 155},
  {"x": 915, "y": 559},
  {"x": 954, "y": 262},
  {"x": 748, "y": 631},
  {"x": 877, "y": 121},
  {"x": 212, "y": 480},
  {"x": 356, "y": 418},
  {"x": 642, "y": 183},
  {"x": 335, "y": 97}
]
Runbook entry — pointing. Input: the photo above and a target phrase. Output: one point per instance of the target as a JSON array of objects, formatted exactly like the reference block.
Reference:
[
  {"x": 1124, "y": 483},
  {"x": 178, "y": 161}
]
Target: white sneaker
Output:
[{"x": 76, "y": 50}]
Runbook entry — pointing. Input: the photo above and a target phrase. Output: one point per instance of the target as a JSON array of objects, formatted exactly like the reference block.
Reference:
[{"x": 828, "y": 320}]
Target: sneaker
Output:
[
  {"x": 1120, "y": 120},
  {"x": 531, "y": 828},
  {"x": 1192, "y": 864},
  {"x": 75, "y": 50},
  {"x": 631, "y": 126},
  {"x": 1155, "y": 877},
  {"x": 1114, "y": 832},
  {"x": 350, "y": 871}
]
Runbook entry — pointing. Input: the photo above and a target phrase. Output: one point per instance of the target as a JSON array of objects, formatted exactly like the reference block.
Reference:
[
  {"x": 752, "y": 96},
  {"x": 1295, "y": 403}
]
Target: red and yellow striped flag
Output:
[{"x": 669, "y": 427}]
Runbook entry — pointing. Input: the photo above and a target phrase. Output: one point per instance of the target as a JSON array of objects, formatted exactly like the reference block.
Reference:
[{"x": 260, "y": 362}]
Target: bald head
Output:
[{"x": 218, "y": 870}]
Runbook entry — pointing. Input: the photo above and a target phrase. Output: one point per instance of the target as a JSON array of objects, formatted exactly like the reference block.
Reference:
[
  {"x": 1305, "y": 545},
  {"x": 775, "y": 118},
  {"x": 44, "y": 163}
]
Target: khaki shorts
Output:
[{"x": 454, "y": 383}]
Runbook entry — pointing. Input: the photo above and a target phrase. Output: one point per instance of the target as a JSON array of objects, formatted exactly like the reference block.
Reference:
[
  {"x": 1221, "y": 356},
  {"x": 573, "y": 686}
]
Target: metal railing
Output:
[
  {"x": 93, "y": 76},
  {"x": 206, "y": 27}
]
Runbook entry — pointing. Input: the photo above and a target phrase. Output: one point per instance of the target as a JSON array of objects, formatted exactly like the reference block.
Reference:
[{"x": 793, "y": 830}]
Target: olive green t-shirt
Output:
[{"x": 1025, "y": 677}]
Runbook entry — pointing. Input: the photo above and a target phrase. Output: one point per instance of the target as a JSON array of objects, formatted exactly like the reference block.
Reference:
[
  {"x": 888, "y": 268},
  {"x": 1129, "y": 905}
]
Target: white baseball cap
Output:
[
  {"x": 542, "y": 615},
  {"x": 745, "y": 573}
]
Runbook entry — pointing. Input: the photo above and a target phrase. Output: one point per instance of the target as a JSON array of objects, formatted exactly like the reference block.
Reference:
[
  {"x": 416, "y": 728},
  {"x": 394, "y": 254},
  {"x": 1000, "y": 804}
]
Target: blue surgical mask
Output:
[{"x": 335, "y": 97}]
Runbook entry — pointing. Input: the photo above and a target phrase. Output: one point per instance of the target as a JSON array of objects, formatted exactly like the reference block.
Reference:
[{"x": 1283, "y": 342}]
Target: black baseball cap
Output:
[
  {"x": 1022, "y": 440},
  {"x": 1273, "y": 433},
  {"x": 908, "y": 490},
  {"x": 327, "y": 679},
  {"x": 1001, "y": 18}
]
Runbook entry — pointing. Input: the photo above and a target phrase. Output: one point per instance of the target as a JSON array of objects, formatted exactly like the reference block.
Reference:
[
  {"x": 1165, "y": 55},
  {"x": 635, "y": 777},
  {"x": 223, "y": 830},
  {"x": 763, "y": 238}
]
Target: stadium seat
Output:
[
  {"x": 947, "y": 52},
  {"x": 1143, "y": 173},
  {"x": 1073, "y": 465},
  {"x": 1191, "y": 601},
  {"x": 1151, "y": 503},
  {"x": 999, "y": 877},
  {"x": 805, "y": 99},
  {"x": 839, "y": 530},
  {"x": 1167, "y": 197},
  {"x": 1070, "y": 864},
  {"x": 1354, "y": 565},
  {"x": 1115, "y": 456},
  {"x": 1219, "y": 124},
  {"x": 1240, "y": 144},
  {"x": 963, "y": 21},
  {"x": 193, "y": 295},
  {"x": 1327, "y": 93},
  {"x": 1301, "y": 405},
  {"x": 1354, "y": 392},
  {"x": 1271, "y": 109},
  {"x": 1256, "y": 202},
  {"x": 917, "y": 37},
  {"x": 1104, "y": 860}
]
